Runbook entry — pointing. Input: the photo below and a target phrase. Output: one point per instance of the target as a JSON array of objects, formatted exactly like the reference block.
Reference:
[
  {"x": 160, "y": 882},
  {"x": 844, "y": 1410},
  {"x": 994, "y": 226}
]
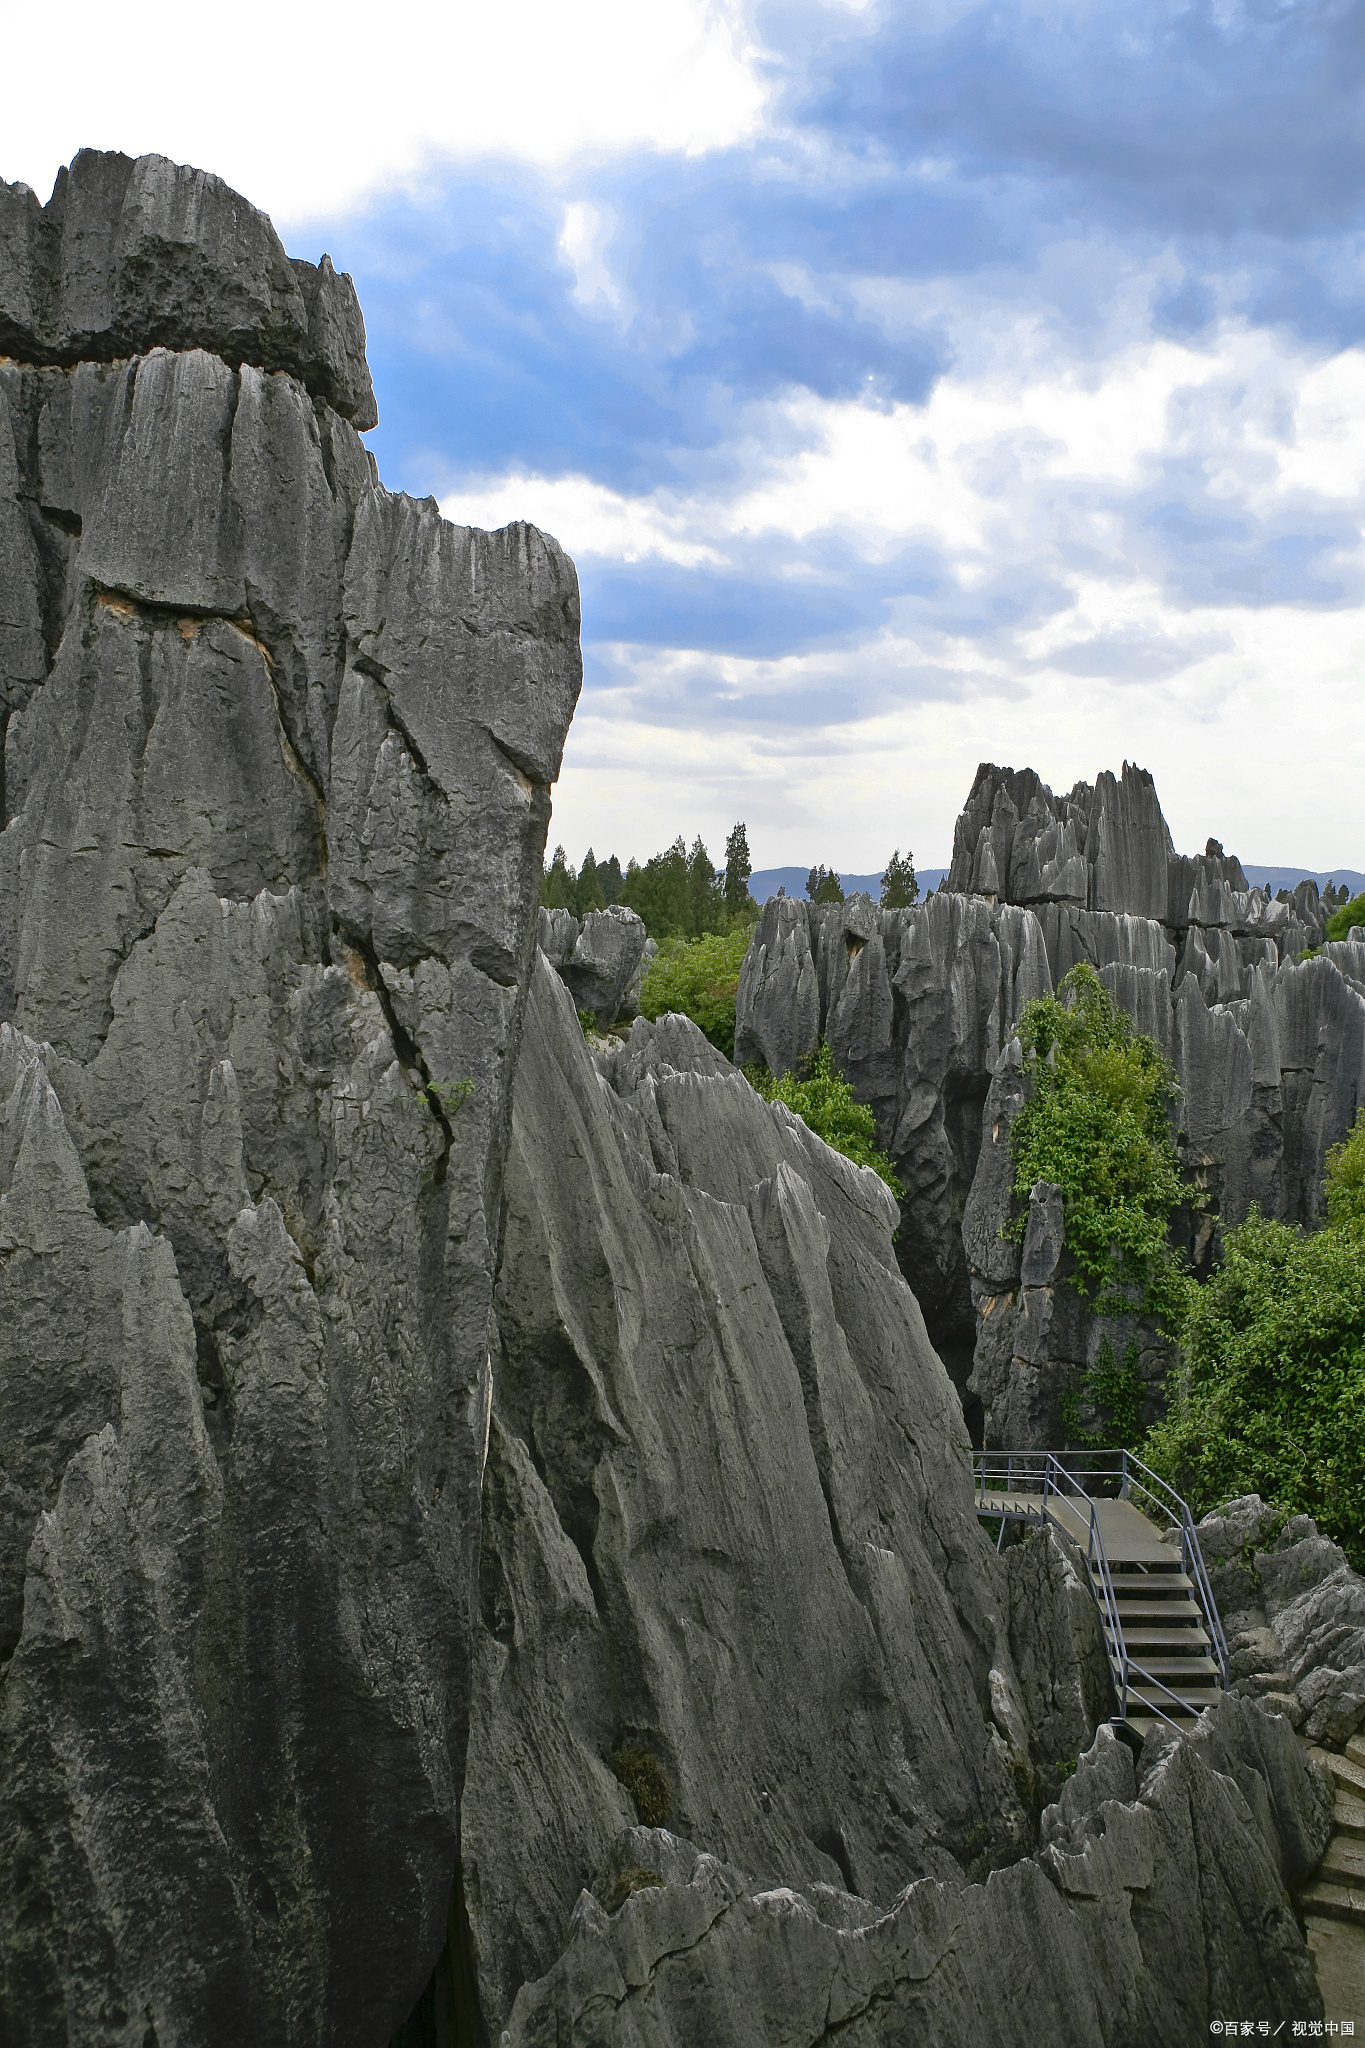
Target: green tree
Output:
[
  {"x": 1340, "y": 922},
  {"x": 738, "y": 868},
  {"x": 699, "y": 979},
  {"x": 823, "y": 1099},
  {"x": 899, "y": 887},
  {"x": 705, "y": 892},
  {"x": 557, "y": 883},
  {"x": 1269, "y": 1396},
  {"x": 1097, "y": 1126},
  {"x": 588, "y": 893},
  {"x": 610, "y": 876},
  {"x": 824, "y": 886},
  {"x": 660, "y": 892}
]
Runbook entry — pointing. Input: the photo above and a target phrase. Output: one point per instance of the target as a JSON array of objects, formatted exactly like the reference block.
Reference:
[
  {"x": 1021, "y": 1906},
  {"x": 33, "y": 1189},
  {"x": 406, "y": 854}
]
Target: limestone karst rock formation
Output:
[
  {"x": 1133, "y": 1925},
  {"x": 601, "y": 958},
  {"x": 728, "y": 1521},
  {"x": 400, "y": 1405},
  {"x": 277, "y": 756},
  {"x": 920, "y": 1008}
]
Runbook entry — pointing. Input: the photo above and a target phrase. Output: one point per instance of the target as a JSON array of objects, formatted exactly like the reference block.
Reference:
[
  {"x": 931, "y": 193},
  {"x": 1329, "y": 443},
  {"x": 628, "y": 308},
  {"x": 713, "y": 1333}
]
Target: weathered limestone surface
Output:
[
  {"x": 601, "y": 959},
  {"x": 728, "y": 1513},
  {"x": 1155, "y": 1905},
  {"x": 918, "y": 1006},
  {"x": 1294, "y": 1614},
  {"x": 134, "y": 254},
  {"x": 277, "y": 759}
]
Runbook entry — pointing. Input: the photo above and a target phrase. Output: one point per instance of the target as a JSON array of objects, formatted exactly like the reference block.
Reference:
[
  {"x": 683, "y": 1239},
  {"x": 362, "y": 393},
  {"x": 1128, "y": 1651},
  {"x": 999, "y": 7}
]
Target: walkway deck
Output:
[
  {"x": 1129, "y": 1538},
  {"x": 1162, "y": 1634}
]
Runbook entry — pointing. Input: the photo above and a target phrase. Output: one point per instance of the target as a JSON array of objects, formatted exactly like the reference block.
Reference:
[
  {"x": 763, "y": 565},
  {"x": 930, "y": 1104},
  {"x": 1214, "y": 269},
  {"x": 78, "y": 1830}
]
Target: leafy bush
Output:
[
  {"x": 1271, "y": 1393},
  {"x": 1340, "y": 922},
  {"x": 1115, "y": 1389},
  {"x": 700, "y": 978},
  {"x": 823, "y": 1100},
  {"x": 1097, "y": 1127}
]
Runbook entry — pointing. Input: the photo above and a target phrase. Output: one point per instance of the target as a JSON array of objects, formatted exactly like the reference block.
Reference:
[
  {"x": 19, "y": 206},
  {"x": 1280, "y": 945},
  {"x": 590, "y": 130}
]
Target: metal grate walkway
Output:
[{"x": 1162, "y": 1633}]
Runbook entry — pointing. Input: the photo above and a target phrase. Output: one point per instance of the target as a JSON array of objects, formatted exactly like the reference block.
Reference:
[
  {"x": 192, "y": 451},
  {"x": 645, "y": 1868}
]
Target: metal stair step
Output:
[
  {"x": 1192, "y": 1638},
  {"x": 1334, "y": 1901},
  {"x": 1143, "y": 1582},
  {"x": 1155, "y": 1610},
  {"x": 1193, "y": 1698},
  {"x": 1198, "y": 1668}
]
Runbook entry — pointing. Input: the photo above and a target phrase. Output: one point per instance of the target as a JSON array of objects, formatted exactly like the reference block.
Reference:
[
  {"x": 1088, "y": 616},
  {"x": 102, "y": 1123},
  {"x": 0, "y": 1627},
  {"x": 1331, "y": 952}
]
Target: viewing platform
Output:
[{"x": 1135, "y": 1535}]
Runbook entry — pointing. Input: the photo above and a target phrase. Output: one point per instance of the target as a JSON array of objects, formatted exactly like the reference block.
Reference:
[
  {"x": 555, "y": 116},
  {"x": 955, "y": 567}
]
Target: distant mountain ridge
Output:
[{"x": 766, "y": 882}]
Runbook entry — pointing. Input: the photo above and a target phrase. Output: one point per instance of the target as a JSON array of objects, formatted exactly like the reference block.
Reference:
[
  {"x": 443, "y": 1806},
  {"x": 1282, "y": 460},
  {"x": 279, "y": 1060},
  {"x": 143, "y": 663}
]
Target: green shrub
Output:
[
  {"x": 1270, "y": 1396},
  {"x": 824, "y": 1101},
  {"x": 1340, "y": 922},
  {"x": 1097, "y": 1127},
  {"x": 640, "y": 1773},
  {"x": 1110, "y": 1386},
  {"x": 452, "y": 1095},
  {"x": 699, "y": 977},
  {"x": 1345, "y": 1178}
]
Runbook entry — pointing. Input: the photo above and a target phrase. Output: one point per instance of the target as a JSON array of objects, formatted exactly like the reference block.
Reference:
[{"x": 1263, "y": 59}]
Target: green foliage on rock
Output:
[
  {"x": 821, "y": 1097},
  {"x": 1097, "y": 1126},
  {"x": 1339, "y": 924},
  {"x": 699, "y": 978},
  {"x": 1271, "y": 1393},
  {"x": 1114, "y": 1388}
]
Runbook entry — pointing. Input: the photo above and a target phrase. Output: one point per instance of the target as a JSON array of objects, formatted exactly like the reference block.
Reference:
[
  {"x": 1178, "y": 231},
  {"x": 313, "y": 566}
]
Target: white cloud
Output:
[
  {"x": 307, "y": 111},
  {"x": 583, "y": 243},
  {"x": 1041, "y": 479}
]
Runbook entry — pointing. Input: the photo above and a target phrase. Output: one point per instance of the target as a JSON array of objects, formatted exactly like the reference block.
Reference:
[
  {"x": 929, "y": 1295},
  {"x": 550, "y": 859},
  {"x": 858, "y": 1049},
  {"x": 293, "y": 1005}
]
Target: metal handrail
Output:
[{"x": 1024, "y": 1471}]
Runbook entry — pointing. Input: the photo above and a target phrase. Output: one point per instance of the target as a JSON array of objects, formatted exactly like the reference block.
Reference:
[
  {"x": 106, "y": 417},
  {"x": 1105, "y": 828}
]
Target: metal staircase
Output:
[{"x": 1135, "y": 1536}]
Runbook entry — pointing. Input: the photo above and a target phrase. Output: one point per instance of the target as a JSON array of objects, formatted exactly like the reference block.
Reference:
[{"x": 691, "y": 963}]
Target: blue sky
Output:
[{"x": 912, "y": 385}]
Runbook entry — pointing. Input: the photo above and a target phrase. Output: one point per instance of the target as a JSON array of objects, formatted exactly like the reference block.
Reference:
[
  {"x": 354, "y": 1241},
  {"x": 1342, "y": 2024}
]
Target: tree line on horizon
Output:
[{"x": 679, "y": 893}]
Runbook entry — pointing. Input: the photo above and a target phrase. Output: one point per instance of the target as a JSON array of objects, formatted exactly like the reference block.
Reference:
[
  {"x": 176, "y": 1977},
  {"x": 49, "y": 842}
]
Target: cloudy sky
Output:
[{"x": 912, "y": 384}]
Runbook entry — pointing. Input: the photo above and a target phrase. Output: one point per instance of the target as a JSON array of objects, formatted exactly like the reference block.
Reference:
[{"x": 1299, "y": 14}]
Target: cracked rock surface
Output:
[
  {"x": 728, "y": 1513},
  {"x": 277, "y": 753},
  {"x": 1154, "y": 1904}
]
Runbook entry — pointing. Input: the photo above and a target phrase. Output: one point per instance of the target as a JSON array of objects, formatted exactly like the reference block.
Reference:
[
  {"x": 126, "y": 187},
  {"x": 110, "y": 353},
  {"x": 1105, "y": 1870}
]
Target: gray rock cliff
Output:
[
  {"x": 919, "y": 1007},
  {"x": 728, "y": 1514},
  {"x": 277, "y": 758},
  {"x": 1138, "y": 1921}
]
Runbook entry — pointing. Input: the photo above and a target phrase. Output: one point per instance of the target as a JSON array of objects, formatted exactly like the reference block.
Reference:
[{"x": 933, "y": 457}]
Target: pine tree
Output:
[
  {"x": 588, "y": 893},
  {"x": 738, "y": 868},
  {"x": 899, "y": 887},
  {"x": 610, "y": 876},
  {"x": 823, "y": 886},
  {"x": 705, "y": 892},
  {"x": 557, "y": 883}
]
